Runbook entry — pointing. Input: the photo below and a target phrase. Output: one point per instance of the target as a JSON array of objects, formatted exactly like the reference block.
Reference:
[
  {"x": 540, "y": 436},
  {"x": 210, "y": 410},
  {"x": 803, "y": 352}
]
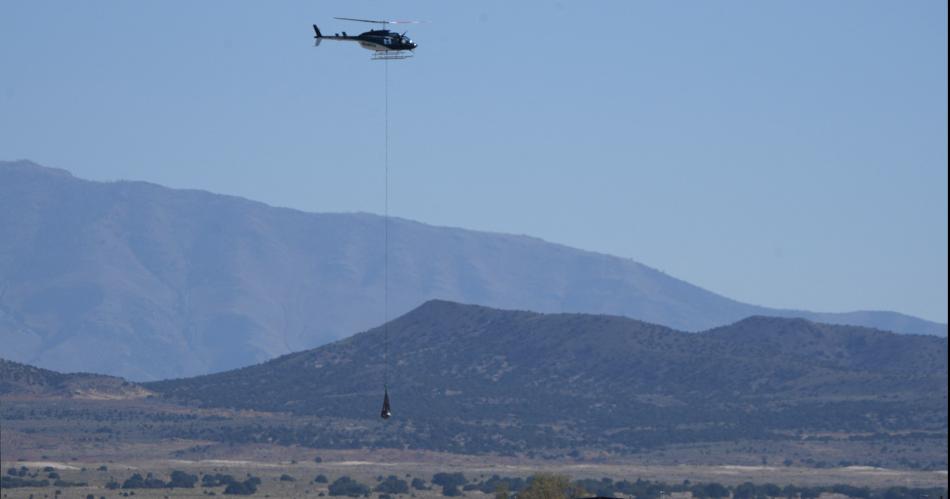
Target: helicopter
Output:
[{"x": 385, "y": 44}]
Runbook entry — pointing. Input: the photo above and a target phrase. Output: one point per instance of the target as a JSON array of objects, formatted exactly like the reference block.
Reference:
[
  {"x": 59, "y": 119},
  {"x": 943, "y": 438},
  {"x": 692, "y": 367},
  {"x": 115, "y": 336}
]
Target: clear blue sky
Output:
[{"x": 783, "y": 153}]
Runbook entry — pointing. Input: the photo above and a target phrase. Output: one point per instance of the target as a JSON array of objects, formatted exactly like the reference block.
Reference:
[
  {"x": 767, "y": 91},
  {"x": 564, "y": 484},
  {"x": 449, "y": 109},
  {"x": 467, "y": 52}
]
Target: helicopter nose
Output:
[{"x": 413, "y": 45}]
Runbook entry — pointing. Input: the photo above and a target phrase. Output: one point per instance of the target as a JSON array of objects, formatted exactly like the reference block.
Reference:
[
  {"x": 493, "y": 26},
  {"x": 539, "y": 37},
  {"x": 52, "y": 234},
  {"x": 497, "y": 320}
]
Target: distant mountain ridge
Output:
[{"x": 147, "y": 282}]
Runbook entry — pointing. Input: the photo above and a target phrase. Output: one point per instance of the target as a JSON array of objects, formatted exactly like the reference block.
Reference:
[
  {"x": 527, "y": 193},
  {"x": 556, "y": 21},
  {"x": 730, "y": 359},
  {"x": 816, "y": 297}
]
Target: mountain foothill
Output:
[{"x": 473, "y": 379}]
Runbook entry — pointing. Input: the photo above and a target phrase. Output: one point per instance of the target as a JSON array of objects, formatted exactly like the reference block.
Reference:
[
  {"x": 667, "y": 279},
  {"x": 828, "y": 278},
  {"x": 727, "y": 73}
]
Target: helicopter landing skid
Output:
[{"x": 391, "y": 55}]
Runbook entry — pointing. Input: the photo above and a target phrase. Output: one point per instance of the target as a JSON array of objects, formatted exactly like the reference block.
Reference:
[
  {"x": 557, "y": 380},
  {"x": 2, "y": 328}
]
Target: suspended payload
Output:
[{"x": 386, "y": 412}]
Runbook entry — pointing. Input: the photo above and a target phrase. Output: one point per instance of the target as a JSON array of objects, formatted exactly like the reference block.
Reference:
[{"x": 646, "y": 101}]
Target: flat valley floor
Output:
[{"x": 270, "y": 463}]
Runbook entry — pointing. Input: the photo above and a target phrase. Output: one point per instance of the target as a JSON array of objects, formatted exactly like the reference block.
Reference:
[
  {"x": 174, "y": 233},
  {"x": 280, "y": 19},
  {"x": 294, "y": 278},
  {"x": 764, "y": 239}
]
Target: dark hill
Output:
[
  {"x": 470, "y": 378},
  {"x": 146, "y": 282},
  {"x": 20, "y": 381}
]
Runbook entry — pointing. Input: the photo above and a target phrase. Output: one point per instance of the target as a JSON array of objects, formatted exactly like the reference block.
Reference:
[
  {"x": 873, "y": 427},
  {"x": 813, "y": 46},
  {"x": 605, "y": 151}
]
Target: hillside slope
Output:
[
  {"x": 21, "y": 381},
  {"x": 470, "y": 379},
  {"x": 146, "y": 282}
]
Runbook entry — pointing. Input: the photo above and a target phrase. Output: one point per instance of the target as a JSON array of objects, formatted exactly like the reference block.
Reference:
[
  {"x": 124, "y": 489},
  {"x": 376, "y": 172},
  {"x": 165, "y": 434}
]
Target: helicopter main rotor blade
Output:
[
  {"x": 378, "y": 21},
  {"x": 361, "y": 20}
]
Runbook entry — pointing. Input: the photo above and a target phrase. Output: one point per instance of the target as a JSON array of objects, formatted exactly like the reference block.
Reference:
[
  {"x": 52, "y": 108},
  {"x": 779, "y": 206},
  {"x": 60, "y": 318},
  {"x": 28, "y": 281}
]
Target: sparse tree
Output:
[
  {"x": 392, "y": 485},
  {"x": 501, "y": 491},
  {"x": 419, "y": 484},
  {"x": 346, "y": 486},
  {"x": 550, "y": 486},
  {"x": 182, "y": 480}
]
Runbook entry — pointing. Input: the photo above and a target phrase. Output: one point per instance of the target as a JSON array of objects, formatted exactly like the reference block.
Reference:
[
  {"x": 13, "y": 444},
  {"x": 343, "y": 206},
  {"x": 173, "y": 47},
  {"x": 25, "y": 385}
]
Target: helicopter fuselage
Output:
[{"x": 379, "y": 40}]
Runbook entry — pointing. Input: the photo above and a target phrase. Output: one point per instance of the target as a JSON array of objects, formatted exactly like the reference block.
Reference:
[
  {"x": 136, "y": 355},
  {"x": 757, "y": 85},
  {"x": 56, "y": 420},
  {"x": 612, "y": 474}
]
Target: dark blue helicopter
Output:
[{"x": 385, "y": 44}]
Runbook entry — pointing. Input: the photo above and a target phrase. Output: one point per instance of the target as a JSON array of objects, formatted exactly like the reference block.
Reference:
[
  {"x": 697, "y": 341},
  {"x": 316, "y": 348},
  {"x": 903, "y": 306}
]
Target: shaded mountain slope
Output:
[
  {"x": 146, "y": 282},
  {"x": 469, "y": 378}
]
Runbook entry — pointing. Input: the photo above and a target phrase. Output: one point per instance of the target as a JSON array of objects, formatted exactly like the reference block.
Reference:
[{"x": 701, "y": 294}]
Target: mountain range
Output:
[{"x": 145, "y": 282}]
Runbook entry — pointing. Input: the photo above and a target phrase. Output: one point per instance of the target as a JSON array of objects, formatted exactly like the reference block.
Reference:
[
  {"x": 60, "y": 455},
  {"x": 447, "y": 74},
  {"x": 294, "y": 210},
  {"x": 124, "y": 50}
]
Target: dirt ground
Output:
[
  {"x": 77, "y": 457},
  {"x": 270, "y": 462}
]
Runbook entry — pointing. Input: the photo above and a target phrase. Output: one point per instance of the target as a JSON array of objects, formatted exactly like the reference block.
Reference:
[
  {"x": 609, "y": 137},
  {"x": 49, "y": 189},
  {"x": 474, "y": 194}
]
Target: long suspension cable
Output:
[{"x": 386, "y": 242}]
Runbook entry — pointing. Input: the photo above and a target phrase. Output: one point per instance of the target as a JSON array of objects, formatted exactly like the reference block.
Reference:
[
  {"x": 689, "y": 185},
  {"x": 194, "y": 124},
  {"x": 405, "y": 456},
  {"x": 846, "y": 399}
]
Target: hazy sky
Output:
[{"x": 783, "y": 153}]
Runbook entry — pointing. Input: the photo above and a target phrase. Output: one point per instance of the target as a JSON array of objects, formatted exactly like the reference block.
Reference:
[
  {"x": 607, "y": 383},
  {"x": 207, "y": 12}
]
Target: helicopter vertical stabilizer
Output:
[{"x": 317, "y": 37}]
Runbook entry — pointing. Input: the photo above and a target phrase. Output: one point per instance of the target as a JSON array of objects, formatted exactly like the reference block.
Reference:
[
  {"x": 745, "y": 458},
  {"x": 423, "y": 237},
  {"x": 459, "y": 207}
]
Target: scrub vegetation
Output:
[{"x": 178, "y": 483}]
